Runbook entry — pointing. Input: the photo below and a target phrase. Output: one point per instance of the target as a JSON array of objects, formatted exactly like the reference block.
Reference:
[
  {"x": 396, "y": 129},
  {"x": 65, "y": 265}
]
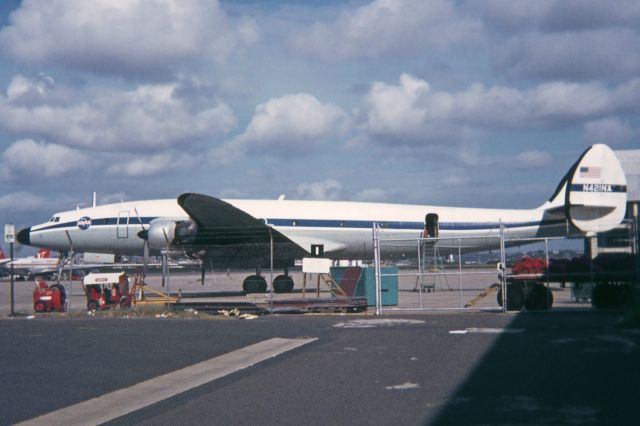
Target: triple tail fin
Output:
[{"x": 593, "y": 193}]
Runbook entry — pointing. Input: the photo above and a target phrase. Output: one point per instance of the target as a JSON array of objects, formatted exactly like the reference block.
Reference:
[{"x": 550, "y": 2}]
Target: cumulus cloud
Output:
[
  {"x": 389, "y": 27},
  {"x": 124, "y": 36},
  {"x": 23, "y": 90},
  {"x": 571, "y": 56},
  {"x": 292, "y": 125},
  {"x": 372, "y": 195},
  {"x": 562, "y": 39},
  {"x": 20, "y": 201},
  {"x": 409, "y": 113},
  {"x": 609, "y": 130},
  {"x": 328, "y": 189},
  {"x": 412, "y": 112},
  {"x": 27, "y": 157},
  {"x": 149, "y": 116},
  {"x": 532, "y": 159},
  {"x": 555, "y": 15},
  {"x": 455, "y": 180},
  {"x": 115, "y": 197},
  {"x": 151, "y": 165}
]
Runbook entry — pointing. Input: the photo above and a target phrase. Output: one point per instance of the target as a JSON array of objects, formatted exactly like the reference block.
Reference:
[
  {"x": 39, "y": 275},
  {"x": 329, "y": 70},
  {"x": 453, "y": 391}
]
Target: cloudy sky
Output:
[{"x": 466, "y": 103}]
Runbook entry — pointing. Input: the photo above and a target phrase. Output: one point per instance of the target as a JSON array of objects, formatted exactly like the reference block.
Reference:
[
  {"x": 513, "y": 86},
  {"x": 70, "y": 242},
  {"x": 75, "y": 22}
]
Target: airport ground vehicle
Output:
[
  {"x": 48, "y": 298},
  {"x": 526, "y": 286},
  {"x": 611, "y": 274},
  {"x": 108, "y": 290}
]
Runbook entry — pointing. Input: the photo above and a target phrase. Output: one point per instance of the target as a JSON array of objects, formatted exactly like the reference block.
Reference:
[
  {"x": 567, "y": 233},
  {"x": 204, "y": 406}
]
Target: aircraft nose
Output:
[{"x": 24, "y": 236}]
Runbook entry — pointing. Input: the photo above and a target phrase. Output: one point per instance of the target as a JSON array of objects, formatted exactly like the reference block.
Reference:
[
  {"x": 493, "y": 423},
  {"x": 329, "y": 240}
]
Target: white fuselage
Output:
[{"x": 344, "y": 228}]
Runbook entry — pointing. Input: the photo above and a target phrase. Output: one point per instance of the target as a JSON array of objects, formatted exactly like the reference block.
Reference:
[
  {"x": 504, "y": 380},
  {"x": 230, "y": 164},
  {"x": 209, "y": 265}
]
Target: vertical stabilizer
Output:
[
  {"x": 597, "y": 191},
  {"x": 593, "y": 194}
]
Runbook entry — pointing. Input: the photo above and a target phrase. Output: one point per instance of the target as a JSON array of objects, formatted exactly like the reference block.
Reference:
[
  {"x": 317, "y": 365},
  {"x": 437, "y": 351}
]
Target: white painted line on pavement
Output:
[
  {"x": 481, "y": 330},
  {"x": 127, "y": 400}
]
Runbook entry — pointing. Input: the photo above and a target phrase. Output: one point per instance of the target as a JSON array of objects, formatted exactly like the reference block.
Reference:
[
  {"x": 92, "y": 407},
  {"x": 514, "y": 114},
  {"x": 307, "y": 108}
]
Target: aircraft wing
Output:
[{"x": 220, "y": 223}]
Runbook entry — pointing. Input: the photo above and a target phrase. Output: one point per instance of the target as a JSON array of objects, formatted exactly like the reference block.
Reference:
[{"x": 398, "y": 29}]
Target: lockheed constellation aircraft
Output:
[{"x": 590, "y": 198}]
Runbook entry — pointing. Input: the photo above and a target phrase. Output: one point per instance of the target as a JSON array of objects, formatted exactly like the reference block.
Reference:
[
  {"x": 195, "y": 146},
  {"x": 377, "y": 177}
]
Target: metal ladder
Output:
[{"x": 430, "y": 264}]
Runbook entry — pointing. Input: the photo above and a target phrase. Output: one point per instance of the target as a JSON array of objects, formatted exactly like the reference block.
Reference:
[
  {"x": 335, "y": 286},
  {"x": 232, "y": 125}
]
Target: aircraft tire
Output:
[
  {"x": 254, "y": 284},
  {"x": 515, "y": 297},
  {"x": 282, "y": 284},
  {"x": 540, "y": 298}
]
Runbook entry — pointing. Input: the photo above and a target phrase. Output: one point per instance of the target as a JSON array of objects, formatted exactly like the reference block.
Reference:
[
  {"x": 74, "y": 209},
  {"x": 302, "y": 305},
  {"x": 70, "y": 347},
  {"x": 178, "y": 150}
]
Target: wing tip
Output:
[{"x": 183, "y": 197}]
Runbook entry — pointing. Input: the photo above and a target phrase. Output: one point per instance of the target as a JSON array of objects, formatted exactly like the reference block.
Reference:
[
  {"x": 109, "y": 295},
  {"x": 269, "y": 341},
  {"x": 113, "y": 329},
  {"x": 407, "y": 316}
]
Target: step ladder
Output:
[{"x": 430, "y": 264}]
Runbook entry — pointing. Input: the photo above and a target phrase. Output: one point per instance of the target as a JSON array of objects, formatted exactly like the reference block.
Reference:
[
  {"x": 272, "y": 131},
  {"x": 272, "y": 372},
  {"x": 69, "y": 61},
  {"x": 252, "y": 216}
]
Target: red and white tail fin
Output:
[
  {"x": 43, "y": 254},
  {"x": 593, "y": 194},
  {"x": 2, "y": 256}
]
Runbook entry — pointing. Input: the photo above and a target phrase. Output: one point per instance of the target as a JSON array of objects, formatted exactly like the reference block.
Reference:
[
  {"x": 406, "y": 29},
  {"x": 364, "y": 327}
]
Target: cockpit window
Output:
[{"x": 56, "y": 219}]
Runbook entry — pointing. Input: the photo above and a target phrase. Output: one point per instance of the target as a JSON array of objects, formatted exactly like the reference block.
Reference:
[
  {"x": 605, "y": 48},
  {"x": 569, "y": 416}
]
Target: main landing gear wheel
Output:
[
  {"x": 254, "y": 284},
  {"x": 283, "y": 284}
]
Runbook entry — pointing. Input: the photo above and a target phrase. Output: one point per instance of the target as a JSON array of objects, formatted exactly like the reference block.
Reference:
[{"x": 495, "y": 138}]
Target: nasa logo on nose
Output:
[{"x": 84, "y": 222}]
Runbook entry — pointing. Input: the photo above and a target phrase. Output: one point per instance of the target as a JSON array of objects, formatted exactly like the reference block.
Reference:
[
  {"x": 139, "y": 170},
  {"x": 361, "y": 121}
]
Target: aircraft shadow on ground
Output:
[{"x": 563, "y": 368}]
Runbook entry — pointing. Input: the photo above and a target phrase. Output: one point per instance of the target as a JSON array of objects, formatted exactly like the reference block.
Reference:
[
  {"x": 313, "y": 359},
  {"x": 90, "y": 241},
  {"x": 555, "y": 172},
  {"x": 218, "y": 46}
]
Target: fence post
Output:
[
  {"x": 546, "y": 254},
  {"x": 376, "y": 257},
  {"x": 503, "y": 275},
  {"x": 460, "y": 271},
  {"x": 271, "y": 270},
  {"x": 420, "y": 277}
]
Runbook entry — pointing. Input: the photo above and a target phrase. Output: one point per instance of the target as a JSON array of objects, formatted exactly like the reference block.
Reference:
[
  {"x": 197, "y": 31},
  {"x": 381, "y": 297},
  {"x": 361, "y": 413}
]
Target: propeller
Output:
[{"x": 165, "y": 261}]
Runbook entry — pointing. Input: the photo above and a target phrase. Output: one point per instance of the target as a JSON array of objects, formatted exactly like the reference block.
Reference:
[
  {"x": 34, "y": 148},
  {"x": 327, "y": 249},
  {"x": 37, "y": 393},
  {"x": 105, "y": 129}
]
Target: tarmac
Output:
[{"x": 460, "y": 361}]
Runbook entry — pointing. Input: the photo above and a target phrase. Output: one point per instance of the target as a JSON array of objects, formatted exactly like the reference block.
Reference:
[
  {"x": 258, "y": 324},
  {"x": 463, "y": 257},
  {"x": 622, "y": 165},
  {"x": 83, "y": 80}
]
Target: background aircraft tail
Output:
[
  {"x": 2, "y": 256},
  {"x": 593, "y": 193},
  {"x": 43, "y": 254}
]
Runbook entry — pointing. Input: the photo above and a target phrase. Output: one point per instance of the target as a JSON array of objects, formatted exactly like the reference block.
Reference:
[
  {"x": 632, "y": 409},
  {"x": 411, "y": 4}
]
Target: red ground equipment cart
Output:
[
  {"x": 48, "y": 298},
  {"x": 105, "y": 291}
]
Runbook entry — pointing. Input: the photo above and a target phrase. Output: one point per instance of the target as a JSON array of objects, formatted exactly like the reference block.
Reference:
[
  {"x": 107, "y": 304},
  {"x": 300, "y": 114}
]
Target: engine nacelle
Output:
[{"x": 165, "y": 232}]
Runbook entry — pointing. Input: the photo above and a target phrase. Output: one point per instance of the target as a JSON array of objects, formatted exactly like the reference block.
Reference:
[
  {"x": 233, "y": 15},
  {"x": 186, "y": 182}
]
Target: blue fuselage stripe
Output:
[
  {"x": 331, "y": 223},
  {"x": 99, "y": 222}
]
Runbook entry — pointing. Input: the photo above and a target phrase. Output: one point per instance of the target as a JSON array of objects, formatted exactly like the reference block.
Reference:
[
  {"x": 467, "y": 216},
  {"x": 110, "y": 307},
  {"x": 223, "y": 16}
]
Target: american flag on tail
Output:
[{"x": 590, "y": 172}]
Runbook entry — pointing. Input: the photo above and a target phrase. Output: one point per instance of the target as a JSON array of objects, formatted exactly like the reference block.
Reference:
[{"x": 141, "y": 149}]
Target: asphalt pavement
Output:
[{"x": 571, "y": 367}]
